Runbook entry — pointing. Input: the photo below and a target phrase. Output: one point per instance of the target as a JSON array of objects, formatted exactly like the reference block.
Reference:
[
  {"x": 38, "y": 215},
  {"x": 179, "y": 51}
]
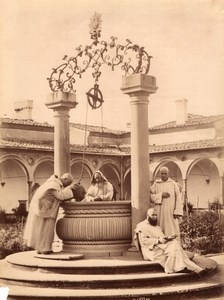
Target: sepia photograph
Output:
[{"x": 112, "y": 149}]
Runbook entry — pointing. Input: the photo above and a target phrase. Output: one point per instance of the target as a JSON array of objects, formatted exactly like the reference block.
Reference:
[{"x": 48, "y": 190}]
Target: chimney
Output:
[
  {"x": 181, "y": 111},
  {"x": 23, "y": 109}
]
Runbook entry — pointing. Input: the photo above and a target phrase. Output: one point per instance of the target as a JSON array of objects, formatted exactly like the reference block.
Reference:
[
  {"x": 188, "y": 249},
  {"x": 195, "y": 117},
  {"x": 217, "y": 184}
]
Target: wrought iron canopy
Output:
[{"x": 131, "y": 57}]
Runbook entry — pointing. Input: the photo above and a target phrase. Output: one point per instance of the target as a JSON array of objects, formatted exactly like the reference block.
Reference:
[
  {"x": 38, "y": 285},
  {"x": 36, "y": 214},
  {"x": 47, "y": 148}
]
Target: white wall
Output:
[
  {"x": 181, "y": 136},
  {"x": 28, "y": 135},
  {"x": 77, "y": 136},
  {"x": 201, "y": 193}
]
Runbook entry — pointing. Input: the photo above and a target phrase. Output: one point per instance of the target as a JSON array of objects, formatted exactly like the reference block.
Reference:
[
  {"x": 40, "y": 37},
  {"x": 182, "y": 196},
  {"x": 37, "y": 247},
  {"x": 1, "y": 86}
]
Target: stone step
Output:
[
  {"x": 38, "y": 278},
  {"x": 106, "y": 265},
  {"x": 109, "y": 265},
  {"x": 10, "y": 276},
  {"x": 32, "y": 278},
  {"x": 198, "y": 290}
]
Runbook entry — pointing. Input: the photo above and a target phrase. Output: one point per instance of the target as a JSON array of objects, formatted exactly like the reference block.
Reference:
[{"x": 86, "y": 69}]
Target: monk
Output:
[
  {"x": 100, "y": 189},
  {"x": 166, "y": 197},
  {"x": 164, "y": 250},
  {"x": 43, "y": 211}
]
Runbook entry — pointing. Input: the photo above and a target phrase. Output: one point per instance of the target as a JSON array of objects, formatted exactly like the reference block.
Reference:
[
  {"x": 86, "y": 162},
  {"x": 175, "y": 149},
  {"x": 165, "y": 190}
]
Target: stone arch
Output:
[
  {"x": 174, "y": 168},
  {"x": 44, "y": 159},
  {"x": 77, "y": 165},
  {"x": 20, "y": 161},
  {"x": 127, "y": 184},
  {"x": 86, "y": 163},
  {"x": 115, "y": 166},
  {"x": 15, "y": 176},
  {"x": 203, "y": 182},
  {"x": 107, "y": 161},
  {"x": 219, "y": 165},
  {"x": 199, "y": 158},
  {"x": 43, "y": 169},
  {"x": 110, "y": 169}
]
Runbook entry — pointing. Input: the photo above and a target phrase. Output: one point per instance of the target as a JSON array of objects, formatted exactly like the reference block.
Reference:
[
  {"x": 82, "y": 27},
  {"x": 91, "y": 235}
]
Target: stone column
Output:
[
  {"x": 221, "y": 197},
  {"x": 184, "y": 191},
  {"x": 139, "y": 87},
  {"x": 29, "y": 183},
  {"x": 121, "y": 196},
  {"x": 61, "y": 103}
]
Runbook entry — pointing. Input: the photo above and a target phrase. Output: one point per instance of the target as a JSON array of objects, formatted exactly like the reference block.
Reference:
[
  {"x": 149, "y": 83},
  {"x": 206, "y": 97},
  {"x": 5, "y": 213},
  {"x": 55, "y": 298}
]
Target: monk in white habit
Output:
[
  {"x": 164, "y": 250},
  {"x": 100, "y": 189},
  {"x": 43, "y": 211},
  {"x": 166, "y": 197}
]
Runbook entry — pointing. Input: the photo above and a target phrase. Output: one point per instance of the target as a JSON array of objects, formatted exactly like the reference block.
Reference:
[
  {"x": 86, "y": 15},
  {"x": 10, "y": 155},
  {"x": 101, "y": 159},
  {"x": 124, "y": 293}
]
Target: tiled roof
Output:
[
  {"x": 203, "y": 144},
  {"x": 99, "y": 150},
  {"x": 24, "y": 122},
  {"x": 93, "y": 128},
  {"x": 49, "y": 146},
  {"x": 191, "y": 121},
  {"x": 25, "y": 145}
]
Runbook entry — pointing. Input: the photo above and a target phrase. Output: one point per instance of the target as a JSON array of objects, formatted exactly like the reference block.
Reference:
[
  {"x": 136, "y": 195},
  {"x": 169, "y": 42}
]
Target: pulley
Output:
[{"x": 95, "y": 97}]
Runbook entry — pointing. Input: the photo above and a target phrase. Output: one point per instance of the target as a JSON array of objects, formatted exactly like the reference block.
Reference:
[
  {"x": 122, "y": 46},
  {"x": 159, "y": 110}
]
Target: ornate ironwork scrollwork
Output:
[{"x": 131, "y": 57}]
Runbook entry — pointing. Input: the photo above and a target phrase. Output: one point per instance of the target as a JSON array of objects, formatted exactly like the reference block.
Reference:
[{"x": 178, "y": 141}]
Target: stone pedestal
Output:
[
  {"x": 96, "y": 228},
  {"x": 139, "y": 87},
  {"x": 61, "y": 103}
]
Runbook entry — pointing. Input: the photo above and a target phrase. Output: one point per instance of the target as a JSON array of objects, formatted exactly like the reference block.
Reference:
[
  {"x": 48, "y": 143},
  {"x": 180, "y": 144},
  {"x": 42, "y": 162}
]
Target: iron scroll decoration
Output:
[{"x": 132, "y": 58}]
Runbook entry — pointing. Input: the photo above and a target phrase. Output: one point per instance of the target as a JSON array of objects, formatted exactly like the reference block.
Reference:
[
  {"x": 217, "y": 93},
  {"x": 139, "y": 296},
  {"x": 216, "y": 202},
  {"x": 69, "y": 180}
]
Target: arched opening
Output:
[
  {"x": 127, "y": 185},
  {"x": 76, "y": 170},
  {"x": 203, "y": 183},
  {"x": 111, "y": 174},
  {"x": 43, "y": 171},
  {"x": 174, "y": 171},
  {"x": 14, "y": 185}
]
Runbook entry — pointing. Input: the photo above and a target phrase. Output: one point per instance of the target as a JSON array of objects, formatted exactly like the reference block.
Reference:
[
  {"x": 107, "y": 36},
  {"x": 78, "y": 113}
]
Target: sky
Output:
[{"x": 185, "y": 38}]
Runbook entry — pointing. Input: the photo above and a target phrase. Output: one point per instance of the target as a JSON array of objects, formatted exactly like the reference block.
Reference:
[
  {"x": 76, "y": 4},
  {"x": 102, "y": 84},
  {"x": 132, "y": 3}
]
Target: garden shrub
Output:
[
  {"x": 203, "y": 232},
  {"x": 2, "y": 215},
  {"x": 216, "y": 205},
  {"x": 11, "y": 239}
]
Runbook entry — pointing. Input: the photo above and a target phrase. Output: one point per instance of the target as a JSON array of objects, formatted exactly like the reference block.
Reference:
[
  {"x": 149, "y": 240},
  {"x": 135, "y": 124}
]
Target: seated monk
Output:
[{"x": 158, "y": 248}]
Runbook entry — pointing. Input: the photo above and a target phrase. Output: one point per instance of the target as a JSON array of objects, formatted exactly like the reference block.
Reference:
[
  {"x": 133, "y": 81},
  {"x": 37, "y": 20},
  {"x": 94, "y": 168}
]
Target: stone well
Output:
[{"x": 96, "y": 228}]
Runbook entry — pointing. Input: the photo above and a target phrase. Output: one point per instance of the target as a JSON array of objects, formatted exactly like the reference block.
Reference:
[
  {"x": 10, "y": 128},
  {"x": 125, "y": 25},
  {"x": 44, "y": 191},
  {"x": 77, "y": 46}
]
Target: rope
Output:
[
  {"x": 102, "y": 143},
  {"x": 102, "y": 135},
  {"x": 84, "y": 144}
]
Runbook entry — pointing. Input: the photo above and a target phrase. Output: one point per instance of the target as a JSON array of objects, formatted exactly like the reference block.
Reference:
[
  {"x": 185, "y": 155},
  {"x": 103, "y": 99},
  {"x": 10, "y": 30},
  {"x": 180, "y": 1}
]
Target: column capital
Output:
[
  {"x": 139, "y": 83},
  {"x": 61, "y": 101}
]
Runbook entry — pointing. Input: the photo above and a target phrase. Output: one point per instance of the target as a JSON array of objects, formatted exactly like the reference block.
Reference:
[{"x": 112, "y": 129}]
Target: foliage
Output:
[
  {"x": 2, "y": 215},
  {"x": 11, "y": 239},
  {"x": 20, "y": 212},
  {"x": 188, "y": 206},
  {"x": 203, "y": 231},
  {"x": 216, "y": 205}
]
